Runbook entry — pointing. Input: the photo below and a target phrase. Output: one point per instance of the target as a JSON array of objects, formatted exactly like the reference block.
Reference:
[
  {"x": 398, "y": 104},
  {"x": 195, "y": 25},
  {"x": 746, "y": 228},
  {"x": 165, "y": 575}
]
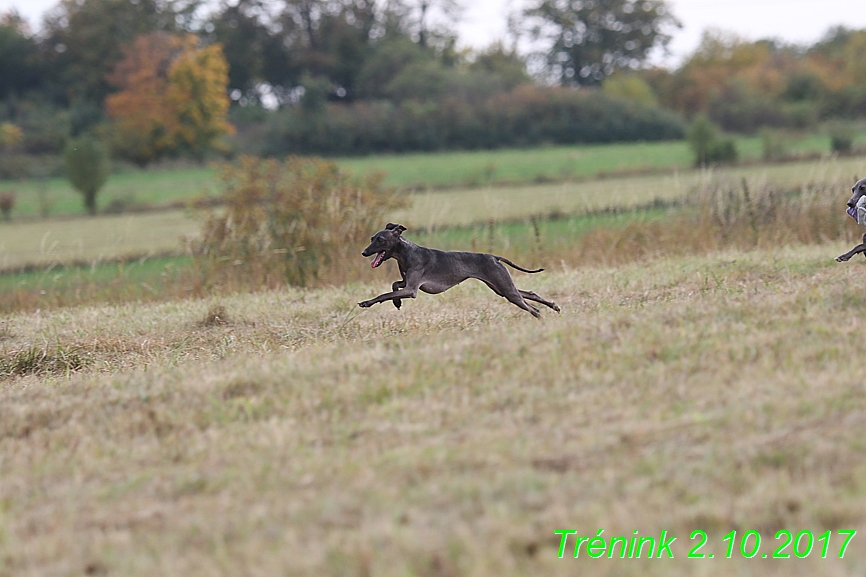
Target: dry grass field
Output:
[{"x": 291, "y": 433}]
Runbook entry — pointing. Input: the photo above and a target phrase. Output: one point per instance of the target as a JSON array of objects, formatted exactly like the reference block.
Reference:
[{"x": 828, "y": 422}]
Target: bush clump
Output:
[
  {"x": 708, "y": 144},
  {"x": 289, "y": 222},
  {"x": 842, "y": 139},
  {"x": 87, "y": 167},
  {"x": 525, "y": 116},
  {"x": 7, "y": 203}
]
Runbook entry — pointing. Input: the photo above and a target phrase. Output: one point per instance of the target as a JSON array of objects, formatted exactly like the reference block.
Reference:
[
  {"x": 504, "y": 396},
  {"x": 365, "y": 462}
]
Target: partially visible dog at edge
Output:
[
  {"x": 857, "y": 211},
  {"x": 434, "y": 271}
]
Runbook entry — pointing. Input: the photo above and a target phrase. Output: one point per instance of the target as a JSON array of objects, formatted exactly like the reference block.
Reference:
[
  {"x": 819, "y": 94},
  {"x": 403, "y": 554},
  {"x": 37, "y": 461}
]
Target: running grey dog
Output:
[
  {"x": 435, "y": 271},
  {"x": 857, "y": 211}
]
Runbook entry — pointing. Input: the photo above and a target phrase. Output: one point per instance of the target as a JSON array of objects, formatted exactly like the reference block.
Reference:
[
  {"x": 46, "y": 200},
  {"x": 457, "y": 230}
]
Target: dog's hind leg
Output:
[
  {"x": 511, "y": 293},
  {"x": 531, "y": 296},
  {"x": 517, "y": 299}
]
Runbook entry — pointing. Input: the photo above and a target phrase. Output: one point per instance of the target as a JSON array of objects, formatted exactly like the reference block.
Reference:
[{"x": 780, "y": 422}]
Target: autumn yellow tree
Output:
[
  {"x": 172, "y": 97},
  {"x": 196, "y": 97}
]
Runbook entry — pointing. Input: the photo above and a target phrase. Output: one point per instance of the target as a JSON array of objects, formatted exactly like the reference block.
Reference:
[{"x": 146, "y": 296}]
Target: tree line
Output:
[{"x": 160, "y": 78}]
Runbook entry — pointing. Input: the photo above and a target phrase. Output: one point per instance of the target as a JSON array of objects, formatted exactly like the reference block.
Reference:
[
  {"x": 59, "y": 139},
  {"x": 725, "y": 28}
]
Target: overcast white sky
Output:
[{"x": 484, "y": 21}]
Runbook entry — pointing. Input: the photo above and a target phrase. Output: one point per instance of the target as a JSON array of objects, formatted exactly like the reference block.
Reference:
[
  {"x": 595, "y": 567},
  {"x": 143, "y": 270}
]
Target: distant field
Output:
[
  {"x": 158, "y": 187},
  {"x": 99, "y": 238},
  {"x": 555, "y": 163},
  {"x": 131, "y": 188},
  {"x": 463, "y": 207},
  {"x": 107, "y": 237},
  {"x": 62, "y": 278},
  {"x": 292, "y": 433}
]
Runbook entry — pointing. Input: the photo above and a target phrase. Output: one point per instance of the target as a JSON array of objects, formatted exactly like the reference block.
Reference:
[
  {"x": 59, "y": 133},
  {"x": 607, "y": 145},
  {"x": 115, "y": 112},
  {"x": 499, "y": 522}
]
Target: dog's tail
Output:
[{"x": 511, "y": 264}]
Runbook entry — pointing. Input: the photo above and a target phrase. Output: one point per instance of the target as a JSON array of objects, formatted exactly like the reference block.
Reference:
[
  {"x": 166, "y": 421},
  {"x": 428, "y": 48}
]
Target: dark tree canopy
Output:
[
  {"x": 590, "y": 39},
  {"x": 19, "y": 67},
  {"x": 344, "y": 44},
  {"x": 82, "y": 41}
]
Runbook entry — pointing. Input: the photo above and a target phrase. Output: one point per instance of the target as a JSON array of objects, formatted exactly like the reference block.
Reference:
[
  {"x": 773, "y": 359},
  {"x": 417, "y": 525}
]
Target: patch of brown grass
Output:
[
  {"x": 722, "y": 214},
  {"x": 216, "y": 316}
]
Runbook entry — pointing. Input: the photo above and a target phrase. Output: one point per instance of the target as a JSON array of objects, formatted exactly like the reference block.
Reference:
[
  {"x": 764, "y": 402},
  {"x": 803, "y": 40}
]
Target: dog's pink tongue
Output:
[{"x": 378, "y": 260}]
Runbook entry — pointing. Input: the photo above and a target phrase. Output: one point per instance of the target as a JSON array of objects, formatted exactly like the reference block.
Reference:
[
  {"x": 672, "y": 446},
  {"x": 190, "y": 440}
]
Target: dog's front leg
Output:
[
  {"x": 856, "y": 250},
  {"x": 404, "y": 293},
  {"x": 847, "y": 256},
  {"x": 395, "y": 287}
]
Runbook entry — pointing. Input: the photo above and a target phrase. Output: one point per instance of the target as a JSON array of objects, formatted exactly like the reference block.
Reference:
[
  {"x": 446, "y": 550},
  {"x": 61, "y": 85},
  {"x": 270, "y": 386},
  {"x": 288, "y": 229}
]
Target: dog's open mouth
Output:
[{"x": 377, "y": 260}]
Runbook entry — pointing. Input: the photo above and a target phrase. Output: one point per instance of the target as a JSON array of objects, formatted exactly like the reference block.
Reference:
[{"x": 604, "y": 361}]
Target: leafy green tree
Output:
[
  {"x": 386, "y": 61},
  {"x": 87, "y": 167},
  {"x": 506, "y": 65},
  {"x": 587, "y": 40},
  {"x": 432, "y": 22},
  {"x": 19, "y": 66},
  {"x": 254, "y": 50},
  {"x": 631, "y": 87},
  {"x": 83, "y": 39}
]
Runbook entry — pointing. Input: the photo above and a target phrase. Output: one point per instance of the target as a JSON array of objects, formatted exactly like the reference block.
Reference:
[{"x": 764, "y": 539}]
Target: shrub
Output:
[
  {"x": 842, "y": 139},
  {"x": 288, "y": 222},
  {"x": 774, "y": 144},
  {"x": 460, "y": 119},
  {"x": 44, "y": 129},
  {"x": 707, "y": 144},
  {"x": 10, "y": 135},
  {"x": 87, "y": 167},
  {"x": 15, "y": 166},
  {"x": 7, "y": 203}
]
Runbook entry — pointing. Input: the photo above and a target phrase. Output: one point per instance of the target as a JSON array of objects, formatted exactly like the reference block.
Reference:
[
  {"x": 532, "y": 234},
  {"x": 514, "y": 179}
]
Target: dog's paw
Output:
[
  {"x": 556, "y": 308},
  {"x": 841, "y": 258},
  {"x": 365, "y": 304},
  {"x": 397, "y": 303}
]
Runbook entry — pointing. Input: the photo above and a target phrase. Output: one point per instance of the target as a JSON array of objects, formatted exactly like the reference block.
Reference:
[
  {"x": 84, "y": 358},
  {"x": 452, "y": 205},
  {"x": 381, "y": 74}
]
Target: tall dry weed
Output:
[
  {"x": 296, "y": 221},
  {"x": 726, "y": 213}
]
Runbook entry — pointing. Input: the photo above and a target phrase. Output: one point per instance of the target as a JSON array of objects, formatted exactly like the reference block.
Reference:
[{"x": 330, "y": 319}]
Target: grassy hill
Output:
[{"x": 293, "y": 433}]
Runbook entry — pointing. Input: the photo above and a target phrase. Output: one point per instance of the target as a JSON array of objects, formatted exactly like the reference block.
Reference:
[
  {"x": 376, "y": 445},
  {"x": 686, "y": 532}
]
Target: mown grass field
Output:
[
  {"x": 136, "y": 189},
  {"x": 291, "y": 433},
  {"x": 94, "y": 239}
]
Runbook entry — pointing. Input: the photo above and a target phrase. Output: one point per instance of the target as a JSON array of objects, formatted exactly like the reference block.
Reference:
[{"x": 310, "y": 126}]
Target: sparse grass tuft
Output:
[
  {"x": 216, "y": 317},
  {"x": 42, "y": 361}
]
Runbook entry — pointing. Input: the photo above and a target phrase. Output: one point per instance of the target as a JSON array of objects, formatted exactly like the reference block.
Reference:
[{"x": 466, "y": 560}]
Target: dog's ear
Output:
[{"x": 398, "y": 228}]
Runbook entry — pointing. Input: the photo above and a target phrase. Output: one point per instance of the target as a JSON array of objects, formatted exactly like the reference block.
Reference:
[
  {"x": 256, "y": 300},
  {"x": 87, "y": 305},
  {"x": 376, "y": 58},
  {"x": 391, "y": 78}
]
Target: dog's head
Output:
[
  {"x": 859, "y": 190},
  {"x": 383, "y": 243}
]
